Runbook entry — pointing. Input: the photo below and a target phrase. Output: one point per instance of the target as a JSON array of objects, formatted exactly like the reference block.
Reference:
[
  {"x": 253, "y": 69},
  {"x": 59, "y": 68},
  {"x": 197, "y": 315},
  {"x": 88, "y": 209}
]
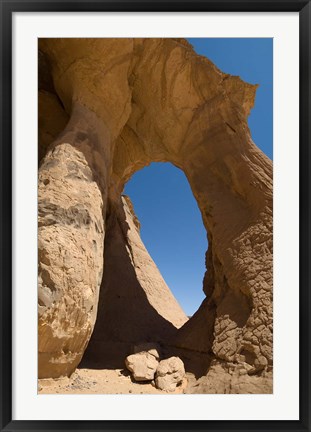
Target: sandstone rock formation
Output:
[
  {"x": 143, "y": 365},
  {"x": 127, "y": 103},
  {"x": 227, "y": 377},
  {"x": 170, "y": 372}
]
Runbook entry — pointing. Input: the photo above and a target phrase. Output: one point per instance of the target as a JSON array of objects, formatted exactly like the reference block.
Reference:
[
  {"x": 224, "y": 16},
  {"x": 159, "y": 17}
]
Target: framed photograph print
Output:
[{"x": 155, "y": 215}]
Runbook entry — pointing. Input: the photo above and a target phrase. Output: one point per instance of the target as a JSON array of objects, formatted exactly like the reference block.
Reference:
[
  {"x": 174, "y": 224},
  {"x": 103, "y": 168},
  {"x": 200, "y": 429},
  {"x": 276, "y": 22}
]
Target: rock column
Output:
[{"x": 70, "y": 259}]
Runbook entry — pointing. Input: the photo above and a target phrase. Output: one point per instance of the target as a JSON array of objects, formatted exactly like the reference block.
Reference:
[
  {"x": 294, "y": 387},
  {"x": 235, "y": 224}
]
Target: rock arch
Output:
[{"x": 131, "y": 102}]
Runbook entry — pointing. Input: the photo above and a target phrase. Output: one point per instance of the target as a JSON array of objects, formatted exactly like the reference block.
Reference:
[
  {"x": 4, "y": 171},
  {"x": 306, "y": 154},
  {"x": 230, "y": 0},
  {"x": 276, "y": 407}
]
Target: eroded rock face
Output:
[
  {"x": 70, "y": 244},
  {"x": 131, "y": 102},
  {"x": 224, "y": 378}
]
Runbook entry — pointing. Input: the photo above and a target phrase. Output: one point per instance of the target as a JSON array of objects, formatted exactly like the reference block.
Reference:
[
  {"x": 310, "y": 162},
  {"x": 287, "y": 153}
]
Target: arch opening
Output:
[{"x": 172, "y": 230}]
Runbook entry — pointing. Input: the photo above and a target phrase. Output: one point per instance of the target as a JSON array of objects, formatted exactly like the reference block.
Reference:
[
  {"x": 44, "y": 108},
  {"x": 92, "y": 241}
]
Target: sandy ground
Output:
[{"x": 101, "y": 381}]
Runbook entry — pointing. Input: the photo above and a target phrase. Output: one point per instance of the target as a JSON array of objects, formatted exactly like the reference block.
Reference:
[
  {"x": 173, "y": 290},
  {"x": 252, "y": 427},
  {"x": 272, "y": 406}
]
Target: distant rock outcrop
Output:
[{"x": 127, "y": 103}]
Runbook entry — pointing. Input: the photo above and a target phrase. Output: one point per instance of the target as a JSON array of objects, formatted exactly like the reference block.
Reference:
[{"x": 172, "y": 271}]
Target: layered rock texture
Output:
[{"x": 107, "y": 108}]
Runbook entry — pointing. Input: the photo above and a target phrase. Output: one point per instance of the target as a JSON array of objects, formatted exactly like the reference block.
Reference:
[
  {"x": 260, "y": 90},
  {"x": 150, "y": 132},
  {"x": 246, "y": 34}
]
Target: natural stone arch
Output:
[{"x": 132, "y": 102}]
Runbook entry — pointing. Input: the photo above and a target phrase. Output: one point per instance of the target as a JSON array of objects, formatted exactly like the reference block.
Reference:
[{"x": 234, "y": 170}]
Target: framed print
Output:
[{"x": 155, "y": 215}]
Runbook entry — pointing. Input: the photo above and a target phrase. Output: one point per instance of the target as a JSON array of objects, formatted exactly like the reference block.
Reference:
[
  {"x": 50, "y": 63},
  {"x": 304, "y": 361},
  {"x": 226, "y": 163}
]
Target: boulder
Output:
[
  {"x": 143, "y": 366},
  {"x": 170, "y": 373}
]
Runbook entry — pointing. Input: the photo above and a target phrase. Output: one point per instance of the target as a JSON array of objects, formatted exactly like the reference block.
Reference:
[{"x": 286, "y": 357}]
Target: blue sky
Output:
[{"x": 171, "y": 223}]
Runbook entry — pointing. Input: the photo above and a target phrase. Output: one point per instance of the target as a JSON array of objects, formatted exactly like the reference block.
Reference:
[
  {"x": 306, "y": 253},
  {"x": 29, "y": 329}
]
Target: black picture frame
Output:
[{"x": 7, "y": 9}]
